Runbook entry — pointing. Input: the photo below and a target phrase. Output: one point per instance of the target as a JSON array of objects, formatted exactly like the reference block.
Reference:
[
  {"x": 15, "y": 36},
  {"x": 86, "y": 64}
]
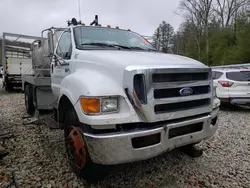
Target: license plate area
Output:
[{"x": 188, "y": 129}]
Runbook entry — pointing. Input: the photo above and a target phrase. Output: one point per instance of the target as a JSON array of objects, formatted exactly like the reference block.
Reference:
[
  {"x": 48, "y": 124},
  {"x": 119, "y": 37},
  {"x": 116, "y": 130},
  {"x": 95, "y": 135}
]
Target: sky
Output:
[{"x": 30, "y": 17}]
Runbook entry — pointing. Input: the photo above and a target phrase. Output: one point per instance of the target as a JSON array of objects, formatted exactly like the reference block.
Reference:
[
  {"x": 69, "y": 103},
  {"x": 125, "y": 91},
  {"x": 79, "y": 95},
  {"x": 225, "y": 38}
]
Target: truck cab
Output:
[{"x": 120, "y": 100}]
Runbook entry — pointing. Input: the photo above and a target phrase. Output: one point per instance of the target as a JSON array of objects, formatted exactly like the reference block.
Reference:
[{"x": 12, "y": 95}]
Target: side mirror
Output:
[{"x": 50, "y": 42}]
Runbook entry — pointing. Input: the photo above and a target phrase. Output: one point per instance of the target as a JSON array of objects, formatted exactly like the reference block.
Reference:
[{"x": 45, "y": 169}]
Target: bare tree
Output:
[
  {"x": 226, "y": 10},
  {"x": 200, "y": 10},
  {"x": 196, "y": 29},
  {"x": 193, "y": 23}
]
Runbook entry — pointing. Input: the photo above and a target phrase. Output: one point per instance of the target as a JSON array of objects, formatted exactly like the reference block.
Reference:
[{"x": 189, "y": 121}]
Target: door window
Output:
[{"x": 64, "y": 48}]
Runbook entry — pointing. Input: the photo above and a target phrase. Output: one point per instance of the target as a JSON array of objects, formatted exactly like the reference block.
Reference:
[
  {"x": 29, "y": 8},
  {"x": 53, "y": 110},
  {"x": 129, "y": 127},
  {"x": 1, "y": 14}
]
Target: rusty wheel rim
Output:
[{"x": 76, "y": 147}]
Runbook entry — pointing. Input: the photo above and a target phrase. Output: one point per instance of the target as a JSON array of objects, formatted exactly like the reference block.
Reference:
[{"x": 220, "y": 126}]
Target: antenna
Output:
[{"x": 79, "y": 9}]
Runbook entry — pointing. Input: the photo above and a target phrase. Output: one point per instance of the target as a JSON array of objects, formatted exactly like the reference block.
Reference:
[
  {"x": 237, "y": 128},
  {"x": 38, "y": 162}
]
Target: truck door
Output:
[{"x": 60, "y": 63}]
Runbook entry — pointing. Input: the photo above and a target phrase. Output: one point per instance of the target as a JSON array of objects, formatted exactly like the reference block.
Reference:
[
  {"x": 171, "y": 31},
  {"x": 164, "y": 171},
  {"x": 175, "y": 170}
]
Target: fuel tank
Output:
[{"x": 40, "y": 60}]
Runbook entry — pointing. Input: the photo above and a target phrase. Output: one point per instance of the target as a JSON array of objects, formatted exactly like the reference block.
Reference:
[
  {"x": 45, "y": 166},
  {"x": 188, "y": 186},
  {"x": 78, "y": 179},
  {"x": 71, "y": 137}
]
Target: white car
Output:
[{"x": 232, "y": 85}]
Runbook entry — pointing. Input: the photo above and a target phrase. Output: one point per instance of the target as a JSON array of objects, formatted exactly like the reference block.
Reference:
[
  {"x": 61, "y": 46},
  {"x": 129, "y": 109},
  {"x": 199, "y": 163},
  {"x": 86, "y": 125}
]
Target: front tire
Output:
[{"x": 77, "y": 151}]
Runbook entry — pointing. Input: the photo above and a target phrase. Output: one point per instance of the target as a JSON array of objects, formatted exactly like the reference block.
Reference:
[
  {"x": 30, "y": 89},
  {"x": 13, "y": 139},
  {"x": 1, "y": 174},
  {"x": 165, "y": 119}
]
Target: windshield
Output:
[{"x": 94, "y": 37}]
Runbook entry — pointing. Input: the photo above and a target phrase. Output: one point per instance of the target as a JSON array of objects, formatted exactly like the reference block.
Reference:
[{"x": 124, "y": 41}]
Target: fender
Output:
[{"x": 90, "y": 83}]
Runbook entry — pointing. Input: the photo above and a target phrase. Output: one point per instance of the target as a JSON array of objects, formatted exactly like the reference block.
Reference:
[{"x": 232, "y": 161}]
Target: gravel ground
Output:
[{"x": 37, "y": 155}]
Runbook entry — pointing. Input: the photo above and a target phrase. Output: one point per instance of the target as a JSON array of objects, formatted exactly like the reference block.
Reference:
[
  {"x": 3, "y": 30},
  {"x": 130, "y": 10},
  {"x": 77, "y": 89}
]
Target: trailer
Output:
[{"x": 16, "y": 59}]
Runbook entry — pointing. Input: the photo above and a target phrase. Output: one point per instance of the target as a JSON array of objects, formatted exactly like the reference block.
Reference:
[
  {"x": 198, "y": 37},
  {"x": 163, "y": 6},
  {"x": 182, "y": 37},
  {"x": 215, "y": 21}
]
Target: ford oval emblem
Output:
[{"x": 186, "y": 91}]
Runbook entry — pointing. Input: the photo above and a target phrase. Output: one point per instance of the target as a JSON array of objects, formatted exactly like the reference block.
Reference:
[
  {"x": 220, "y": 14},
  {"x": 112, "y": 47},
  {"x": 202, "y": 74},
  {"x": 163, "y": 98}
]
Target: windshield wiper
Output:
[
  {"x": 139, "y": 48},
  {"x": 117, "y": 46},
  {"x": 105, "y": 45}
]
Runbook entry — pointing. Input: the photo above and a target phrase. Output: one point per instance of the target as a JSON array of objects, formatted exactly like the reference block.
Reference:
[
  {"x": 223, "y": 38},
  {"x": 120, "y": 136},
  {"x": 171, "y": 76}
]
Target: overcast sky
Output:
[{"x": 31, "y": 16}]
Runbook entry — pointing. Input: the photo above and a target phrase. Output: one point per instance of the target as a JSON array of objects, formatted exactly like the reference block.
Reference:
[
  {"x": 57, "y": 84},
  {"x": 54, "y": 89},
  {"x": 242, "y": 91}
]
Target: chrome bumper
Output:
[{"x": 117, "y": 148}]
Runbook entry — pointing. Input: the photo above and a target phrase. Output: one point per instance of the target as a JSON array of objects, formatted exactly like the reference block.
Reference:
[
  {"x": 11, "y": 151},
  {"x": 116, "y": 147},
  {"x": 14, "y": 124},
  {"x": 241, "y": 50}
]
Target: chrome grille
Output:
[
  {"x": 175, "y": 92},
  {"x": 172, "y": 77},
  {"x": 180, "y": 106},
  {"x": 162, "y": 92}
]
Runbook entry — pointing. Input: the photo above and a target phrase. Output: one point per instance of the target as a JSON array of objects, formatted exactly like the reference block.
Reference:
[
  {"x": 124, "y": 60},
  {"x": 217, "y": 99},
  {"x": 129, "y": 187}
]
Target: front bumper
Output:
[{"x": 116, "y": 148}]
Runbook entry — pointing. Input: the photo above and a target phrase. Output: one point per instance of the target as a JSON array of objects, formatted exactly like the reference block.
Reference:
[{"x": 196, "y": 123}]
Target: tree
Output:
[
  {"x": 164, "y": 35},
  {"x": 200, "y": 10},
  {"x": 167, "y": 33},
  {"x": 226, "y": 10},
  {"x": 156, "y": 37},
  {"x": 215, "y": 32},
  {"x": 240, "y": 53}
]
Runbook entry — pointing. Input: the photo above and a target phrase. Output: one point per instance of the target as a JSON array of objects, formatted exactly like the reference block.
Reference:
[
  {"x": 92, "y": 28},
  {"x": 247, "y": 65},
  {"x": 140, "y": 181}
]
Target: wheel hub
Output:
[{"x": 76, "y": 147}]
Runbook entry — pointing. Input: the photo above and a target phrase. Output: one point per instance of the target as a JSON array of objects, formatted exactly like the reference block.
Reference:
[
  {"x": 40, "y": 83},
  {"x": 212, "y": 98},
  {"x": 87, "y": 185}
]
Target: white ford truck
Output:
[{"x": 117, "y": 98}]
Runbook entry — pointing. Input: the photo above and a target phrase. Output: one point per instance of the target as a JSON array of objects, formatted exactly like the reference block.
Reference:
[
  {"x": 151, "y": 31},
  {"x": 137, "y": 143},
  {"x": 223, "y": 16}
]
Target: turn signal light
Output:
[
  {"x": 90, "y": 105},
  {"x": 226, "y": 83}
]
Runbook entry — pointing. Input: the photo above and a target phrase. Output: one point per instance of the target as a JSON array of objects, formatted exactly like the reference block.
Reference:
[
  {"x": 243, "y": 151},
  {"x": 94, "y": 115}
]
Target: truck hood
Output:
[
  {"x": 122, "y": 59},
  {"x": 108, "y": 66}
]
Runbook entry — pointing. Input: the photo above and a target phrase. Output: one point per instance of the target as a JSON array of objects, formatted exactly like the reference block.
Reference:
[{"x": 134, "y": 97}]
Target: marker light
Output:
[{"x": 90, "y": 105}]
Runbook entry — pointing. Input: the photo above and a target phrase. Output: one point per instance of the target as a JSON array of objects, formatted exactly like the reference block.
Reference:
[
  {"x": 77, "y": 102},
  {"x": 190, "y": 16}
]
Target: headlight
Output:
[
  {"x": 109, "y": 104},
  {"x": 99, "y": 105}
]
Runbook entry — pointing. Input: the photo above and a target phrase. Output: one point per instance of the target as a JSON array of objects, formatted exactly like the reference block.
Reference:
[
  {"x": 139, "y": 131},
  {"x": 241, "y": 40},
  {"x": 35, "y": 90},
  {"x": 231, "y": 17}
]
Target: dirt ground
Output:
[{"x": 38, "y": 158}]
